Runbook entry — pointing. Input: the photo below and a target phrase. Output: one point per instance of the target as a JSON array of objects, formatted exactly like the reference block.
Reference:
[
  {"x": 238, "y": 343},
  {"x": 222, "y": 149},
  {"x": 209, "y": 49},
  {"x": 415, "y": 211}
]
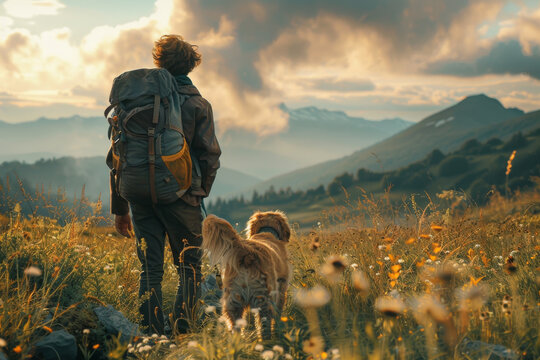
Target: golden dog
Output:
[{"x": 256, "y": 270}]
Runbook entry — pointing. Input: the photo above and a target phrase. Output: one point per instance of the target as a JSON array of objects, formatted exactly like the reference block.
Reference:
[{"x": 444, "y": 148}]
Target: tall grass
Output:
[{"x": 389, "y": 282}]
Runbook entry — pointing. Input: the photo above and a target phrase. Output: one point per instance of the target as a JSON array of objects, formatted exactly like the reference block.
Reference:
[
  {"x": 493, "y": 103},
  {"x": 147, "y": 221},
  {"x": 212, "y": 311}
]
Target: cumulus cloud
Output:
[
  {"x": 514, "y": 50},
  {"x": 26, "y": 9},
  {"x": 504, "y": 58},
  {"x": 257, "y": 55}
]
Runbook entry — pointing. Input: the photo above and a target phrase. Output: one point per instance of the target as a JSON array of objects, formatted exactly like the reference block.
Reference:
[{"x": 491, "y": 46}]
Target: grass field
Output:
[
  {"x": 480, "y": 166},
  {"x": 386, "y": 283}
]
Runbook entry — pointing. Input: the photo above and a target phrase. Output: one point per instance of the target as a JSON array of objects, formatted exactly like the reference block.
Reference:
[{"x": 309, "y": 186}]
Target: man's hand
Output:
[{"x": 122, "y": 223}]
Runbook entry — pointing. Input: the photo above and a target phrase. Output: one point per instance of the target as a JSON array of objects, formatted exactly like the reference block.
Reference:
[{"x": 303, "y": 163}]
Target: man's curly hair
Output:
[{"x": 171, "y": 52}]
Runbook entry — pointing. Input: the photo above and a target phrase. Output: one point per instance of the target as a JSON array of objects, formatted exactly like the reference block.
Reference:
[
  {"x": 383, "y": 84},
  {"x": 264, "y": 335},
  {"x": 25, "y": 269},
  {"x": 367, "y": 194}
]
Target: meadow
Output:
[{"x": 449, "y": 279}]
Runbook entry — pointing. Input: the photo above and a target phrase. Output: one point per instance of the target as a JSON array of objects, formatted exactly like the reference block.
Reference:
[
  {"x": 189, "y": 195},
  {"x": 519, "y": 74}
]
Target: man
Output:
[{"x": 182, "y": 219}]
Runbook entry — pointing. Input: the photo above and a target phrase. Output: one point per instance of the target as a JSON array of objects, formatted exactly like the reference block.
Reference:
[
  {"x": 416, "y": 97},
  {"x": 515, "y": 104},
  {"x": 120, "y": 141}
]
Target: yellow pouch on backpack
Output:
[{"x": 179, "y": 165}]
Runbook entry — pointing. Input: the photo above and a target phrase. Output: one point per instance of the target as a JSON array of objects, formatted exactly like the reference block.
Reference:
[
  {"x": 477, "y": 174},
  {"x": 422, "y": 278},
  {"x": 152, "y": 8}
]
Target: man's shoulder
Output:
[
  {"x": 195, "y": 98},
  {"x": 189, "y": 90}
]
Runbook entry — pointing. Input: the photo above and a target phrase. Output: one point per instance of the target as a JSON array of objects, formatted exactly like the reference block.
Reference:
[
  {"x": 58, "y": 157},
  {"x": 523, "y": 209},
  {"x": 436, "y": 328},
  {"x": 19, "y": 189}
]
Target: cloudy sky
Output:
[{"x": 370, "y": 58}]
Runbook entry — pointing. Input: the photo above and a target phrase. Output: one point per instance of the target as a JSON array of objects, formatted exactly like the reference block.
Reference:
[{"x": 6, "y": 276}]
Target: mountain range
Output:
[
  {"x": 68, "y": 153},
  {"x": 313, "y": 135},
  {"x": 477, "y": 116}
]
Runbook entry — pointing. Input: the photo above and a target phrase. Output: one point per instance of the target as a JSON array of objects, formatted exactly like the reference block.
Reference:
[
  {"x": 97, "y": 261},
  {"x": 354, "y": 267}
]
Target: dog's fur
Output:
[{"x": 256, "y": 270}]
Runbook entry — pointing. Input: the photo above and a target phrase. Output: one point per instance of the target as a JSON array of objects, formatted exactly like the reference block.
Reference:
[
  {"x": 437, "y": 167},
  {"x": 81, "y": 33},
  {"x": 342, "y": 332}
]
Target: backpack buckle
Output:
[{"x": 151, "y": 132}]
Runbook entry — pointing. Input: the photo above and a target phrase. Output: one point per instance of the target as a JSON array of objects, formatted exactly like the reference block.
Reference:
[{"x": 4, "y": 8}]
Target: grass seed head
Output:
[
  {"x": 390, "y": 306},
  {"x": 315, "y": 297},
  {"x": 360, "y": 282},
  {"x": 333, "y": 268}
]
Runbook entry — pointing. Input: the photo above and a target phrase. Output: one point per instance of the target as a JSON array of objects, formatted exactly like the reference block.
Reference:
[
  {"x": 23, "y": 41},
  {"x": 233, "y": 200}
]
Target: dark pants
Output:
[{"x": 182, "y": 223}]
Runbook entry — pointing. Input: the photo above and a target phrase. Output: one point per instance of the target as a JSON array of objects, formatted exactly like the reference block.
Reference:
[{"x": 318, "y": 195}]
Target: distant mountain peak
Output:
[
  {"x": 485, "y": 102},
  {"x": 479, "y": 96},
  {"x": 480, "y": 99}
]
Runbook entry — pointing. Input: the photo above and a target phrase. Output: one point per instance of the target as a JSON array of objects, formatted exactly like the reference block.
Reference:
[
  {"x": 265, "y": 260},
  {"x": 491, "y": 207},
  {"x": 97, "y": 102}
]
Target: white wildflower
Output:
[
  {"x": 240, "y": 323},
  {"x": 33, "y": 271},
  {"x": 267, "y": 354}
]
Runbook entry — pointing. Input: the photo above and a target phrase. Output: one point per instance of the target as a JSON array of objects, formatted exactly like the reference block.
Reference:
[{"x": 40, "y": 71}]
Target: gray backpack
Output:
[{"x": 151, "y": 158}]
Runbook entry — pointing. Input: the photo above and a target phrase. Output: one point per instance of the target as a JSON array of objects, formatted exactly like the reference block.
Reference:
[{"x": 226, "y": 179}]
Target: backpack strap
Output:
[
  {"x": 152, "y": 150},
  {"x": 109, "y": 108}
]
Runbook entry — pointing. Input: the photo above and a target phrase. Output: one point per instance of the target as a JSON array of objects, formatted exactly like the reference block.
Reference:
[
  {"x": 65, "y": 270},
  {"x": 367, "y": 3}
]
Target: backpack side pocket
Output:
[{"x": 179, "y": 165}]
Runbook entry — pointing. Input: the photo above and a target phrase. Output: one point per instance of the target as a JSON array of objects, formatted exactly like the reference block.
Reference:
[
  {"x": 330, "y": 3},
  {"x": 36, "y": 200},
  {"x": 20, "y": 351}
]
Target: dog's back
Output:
[{"x": 256, "y": 270}]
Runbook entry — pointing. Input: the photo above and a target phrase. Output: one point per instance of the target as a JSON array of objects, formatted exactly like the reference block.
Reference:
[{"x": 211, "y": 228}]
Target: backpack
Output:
[{"x": 151, "y": 158}]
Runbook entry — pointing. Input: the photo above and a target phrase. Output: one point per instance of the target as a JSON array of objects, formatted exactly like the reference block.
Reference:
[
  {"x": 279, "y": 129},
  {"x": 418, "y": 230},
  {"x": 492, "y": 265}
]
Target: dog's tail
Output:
[{"x": 219, "y": 238}]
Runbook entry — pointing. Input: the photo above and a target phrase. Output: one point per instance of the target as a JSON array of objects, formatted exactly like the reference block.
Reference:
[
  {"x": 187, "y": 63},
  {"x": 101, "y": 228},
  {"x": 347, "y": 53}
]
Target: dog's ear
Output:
[{"x": 285, "y": 229}]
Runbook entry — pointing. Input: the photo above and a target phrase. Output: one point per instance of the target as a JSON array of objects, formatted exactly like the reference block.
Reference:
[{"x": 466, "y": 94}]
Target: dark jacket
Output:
[{"x": 198, "y": 122}]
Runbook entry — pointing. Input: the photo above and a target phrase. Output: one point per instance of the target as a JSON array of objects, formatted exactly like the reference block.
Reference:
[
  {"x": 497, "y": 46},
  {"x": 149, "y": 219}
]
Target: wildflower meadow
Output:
[{"x": 372, "y": 280}]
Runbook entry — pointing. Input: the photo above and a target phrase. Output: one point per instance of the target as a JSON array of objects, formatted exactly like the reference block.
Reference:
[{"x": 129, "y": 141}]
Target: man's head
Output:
[{"x": 171, "y": 52}]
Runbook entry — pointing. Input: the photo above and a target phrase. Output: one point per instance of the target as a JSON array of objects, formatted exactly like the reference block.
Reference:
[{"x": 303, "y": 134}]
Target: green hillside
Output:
[
  {"x": 473, "y": 170},
  {"x": 478, "y": 116}
]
